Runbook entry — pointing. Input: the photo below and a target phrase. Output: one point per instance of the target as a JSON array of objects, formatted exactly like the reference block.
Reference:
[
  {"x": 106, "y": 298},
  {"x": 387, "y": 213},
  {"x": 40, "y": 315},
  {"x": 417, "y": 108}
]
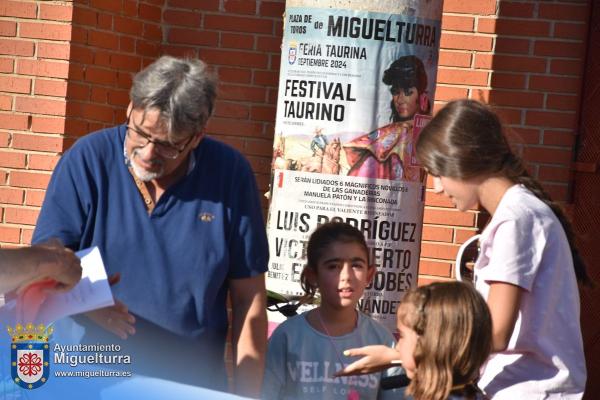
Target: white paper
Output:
[{"x": 92, "y": 291}]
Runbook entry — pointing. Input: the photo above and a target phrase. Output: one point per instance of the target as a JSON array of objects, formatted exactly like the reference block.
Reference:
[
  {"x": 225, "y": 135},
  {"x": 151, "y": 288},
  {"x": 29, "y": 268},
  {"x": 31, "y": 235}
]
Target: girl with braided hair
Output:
[{"x": 528, "y": 266}]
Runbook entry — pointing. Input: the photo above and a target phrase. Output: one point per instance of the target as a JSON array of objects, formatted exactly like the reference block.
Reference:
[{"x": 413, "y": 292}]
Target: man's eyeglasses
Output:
[{"x": 164, "y": 149}]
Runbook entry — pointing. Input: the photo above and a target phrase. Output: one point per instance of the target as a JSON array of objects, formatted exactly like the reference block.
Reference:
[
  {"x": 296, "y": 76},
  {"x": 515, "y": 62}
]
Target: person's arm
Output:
[
  {"x": 374, "y": 358},
  {"x": 503, "y": 301},
  {"x": 21, "y": 267},
  {"x": 249, "y": 333}
]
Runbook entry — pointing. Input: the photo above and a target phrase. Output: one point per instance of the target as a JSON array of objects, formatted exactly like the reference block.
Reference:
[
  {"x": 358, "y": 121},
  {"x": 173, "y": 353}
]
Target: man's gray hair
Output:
[{"x": 183, "y": 90}]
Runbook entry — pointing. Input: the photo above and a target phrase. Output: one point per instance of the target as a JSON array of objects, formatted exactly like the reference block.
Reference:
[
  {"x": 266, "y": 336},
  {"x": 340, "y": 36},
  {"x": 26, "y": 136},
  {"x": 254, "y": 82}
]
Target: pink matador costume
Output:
[{"x": 385, "y": 153}]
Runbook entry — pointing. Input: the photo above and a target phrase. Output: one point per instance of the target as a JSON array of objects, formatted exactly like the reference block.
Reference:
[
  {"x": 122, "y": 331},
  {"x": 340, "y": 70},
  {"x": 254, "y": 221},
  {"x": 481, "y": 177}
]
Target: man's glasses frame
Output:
[{"x": 165, "y": 149}]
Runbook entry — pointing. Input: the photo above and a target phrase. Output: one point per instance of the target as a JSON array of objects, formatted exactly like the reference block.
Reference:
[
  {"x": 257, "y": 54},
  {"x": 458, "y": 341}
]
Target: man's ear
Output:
[{"x": 198, "y": 138}]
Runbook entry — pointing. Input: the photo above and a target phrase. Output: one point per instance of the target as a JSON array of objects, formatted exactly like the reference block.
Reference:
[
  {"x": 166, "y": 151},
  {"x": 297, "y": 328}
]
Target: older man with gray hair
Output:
[{"x": 177, "y": 215}]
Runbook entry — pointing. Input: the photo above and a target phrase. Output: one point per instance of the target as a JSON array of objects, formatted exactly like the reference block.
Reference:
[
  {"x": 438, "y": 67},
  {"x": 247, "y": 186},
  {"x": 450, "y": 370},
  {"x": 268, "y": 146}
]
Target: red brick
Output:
[
  {"x": 40, "y": 106},
  {"x": 507, "y": 80},
  {"x": 26, "y": 216},
  {"x": 238, "y": 24},
  {"x": 269, "y": 44},
  {"x": 17, "y": 47},
  {"x": 428, "y": 267},
  {"x": 524, "y": 135},
  {"x": 235, "y": 75},
  {"x": 222, "y": 126},
  {"x": 100, "y": 75},
  {"x": 559, "y": 138},
  {"x": 462, "y": 77},
  {"x": 56, "y": 12},
  {"x": 130, "y": 8},
  {"x": 271, "y": 9},
  {"x": 509, "y": 98},
  {"x": 6, "y": 65},
  {"x": 99, "y": 95},
  {"x": 43, "y": 68},
  {"x": 118, "y": 97},
  {"x": 182, "y": 18},
  {"x": 84, "y": 16},
  {"x": 509, "y": 115},
  {"x": 566, "y": 67},
  {"x": 108, "y": 5},
  {"x": 4, "y": 139},
  {"x": 482, "y": 7},
  {"x": 34, "y": 180},
  {"x": 447, "y": 93},
  {"x": 34, "y": 197},
  {"x": 47, "y": 125},
  {"x": 237, "y": 41},
  {"x": 455, "y": 59},
  {"x": 266, "y": 78},
  {"x": 96, "y": 112},
  {"x": 127, "y": 44},
  {"x": 146, "y": 48},
  {"x": 466, "y": 42},
  {"x": 177, "y": 51},
  {"x": 9, "y": 234},
  {"x": 149, "y": 12},
  {"x": 124, "y": 62},
  {"x": 565, "y": 12},
  {"x": 37, "y": 142},
  {"x": 60, "y": 51},
  {"x": 3, "y": 179},
  {"x": 439, "y": 250},
  {"x": 38, "y": 30},
  {"x": 15, "y": 85},
  {"x": 50, "y": 88},
  {"x": 103, "y": 40},
  {"x": 231, "y": 110},
  {"x": 5, "y": 104},
  {"x": 8, "y": 28},
  {"x": 554, "y": 174},
  {"x": 193, "y": 36},
  {"x": 241, "y": 93},
  {"x": 437, "y": 233},
  {"x": 233, "y": 58},
  {"x": 129, "y": 26},
  {"x": 11, "y": 159},
  {"x": 547, "y": 155},
  {"x": 566, "y": 30},
  {"x": 512, "y": 9},
  {"x": 457, "y": 23},
  {"x": 559, "y": 49},
  {"x": 152, "y": 31},
  {"x": 562, "y": 102},
  {"x": 558, "y": 84},
  {"x": 12, "y": 121},
  {"x": 42, "y": 162},
  {"x": 514, "y": 27},
  {"x": 105, "y": 22},
  {"x": 508, "y": 63},
  {"x": 557, "y": 192},
  {"x": 207, "y": 5},
  {"x": 448, "y": 217},
  {"x": 461, "y": 235},
  {"x": 11, "y": 195},
  {"x": 19, "y": 9},
  {"x": 263, "y": 113},
  {"x": 512, "y": 46},
  {"x": 240, "y": 7}
]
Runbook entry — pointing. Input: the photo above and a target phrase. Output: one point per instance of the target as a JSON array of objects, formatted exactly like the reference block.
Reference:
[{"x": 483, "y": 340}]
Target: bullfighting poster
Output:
[{"x": 357, "y": 82}]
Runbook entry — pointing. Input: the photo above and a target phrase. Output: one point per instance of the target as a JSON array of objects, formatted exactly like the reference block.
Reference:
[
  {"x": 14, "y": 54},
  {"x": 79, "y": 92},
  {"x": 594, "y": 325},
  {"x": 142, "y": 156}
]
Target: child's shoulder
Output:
[{"x": 295, "y": 324}]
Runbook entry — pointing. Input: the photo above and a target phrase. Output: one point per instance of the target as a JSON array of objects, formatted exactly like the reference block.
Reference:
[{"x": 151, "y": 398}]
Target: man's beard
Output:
[{"x": 142, "y": 174}]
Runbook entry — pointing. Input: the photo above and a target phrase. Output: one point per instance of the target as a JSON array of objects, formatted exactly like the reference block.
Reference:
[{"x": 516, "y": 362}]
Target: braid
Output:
[{"x": 514, "y": 169}]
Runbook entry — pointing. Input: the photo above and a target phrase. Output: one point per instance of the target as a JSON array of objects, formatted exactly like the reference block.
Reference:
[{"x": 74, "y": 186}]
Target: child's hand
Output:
[{"x": 375, "y": 358}]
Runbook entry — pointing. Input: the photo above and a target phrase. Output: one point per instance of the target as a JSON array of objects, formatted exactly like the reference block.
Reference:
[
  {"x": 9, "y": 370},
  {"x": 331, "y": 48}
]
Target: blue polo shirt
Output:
[{"x": 175, "y": 262}]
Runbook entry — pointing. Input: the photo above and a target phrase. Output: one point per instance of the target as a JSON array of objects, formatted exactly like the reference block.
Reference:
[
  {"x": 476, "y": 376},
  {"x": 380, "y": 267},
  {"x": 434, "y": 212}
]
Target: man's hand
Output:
[
  {"x": 21, "y": 267},
  {"x": 375, "y": 358},
  {"x": 115, "y": 319}
]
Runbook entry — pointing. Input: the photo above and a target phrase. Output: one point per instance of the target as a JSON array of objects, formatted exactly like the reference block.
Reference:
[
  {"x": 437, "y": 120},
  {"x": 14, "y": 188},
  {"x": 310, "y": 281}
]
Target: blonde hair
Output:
[{"x": 454, "y": 329}]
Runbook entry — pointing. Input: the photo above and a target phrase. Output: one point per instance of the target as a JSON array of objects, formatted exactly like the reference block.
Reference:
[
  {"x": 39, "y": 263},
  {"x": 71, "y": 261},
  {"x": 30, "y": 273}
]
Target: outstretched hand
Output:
[
  {"x": 374, "y": 358},
  {"x": 115, "y": 319}
]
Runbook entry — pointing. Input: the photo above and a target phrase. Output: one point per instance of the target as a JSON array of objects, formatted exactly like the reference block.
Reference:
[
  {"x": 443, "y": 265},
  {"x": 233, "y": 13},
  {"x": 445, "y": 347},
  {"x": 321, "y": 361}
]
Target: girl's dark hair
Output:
[
  {"x": 402, "y": 74},
  {"x": 466, "y": 139},
  {"x": 454, "y": 329},
  {"x": 318, "y": 244}
]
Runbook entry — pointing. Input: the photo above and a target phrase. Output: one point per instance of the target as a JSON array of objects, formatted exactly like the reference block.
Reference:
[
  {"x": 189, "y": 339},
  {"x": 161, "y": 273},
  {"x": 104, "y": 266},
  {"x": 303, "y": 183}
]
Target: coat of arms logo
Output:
[{"x": 30, "y": 355}]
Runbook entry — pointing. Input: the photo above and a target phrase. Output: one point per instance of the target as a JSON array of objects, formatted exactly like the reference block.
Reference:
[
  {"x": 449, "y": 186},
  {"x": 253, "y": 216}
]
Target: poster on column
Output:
[{"x": 357, "y": 82}]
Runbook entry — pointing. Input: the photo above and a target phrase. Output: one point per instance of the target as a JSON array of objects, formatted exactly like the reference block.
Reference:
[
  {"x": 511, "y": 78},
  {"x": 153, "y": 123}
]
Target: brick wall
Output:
[{"x": 526, "y": 57}]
